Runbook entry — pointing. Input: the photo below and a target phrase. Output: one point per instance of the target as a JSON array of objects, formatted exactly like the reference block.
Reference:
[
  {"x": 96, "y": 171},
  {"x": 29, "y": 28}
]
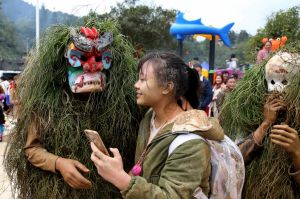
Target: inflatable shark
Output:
[{"x": 183, "y": 27}]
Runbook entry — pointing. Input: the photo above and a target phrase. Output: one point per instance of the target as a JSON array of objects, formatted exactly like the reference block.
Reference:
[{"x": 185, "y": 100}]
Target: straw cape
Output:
[
  {"x": 44, "y": 98},
  {"x": 267, "y": 175}
]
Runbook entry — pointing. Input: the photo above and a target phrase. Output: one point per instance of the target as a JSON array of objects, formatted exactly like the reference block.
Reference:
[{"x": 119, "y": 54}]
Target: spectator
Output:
[
  {"x": 13, "y": 98},
  {"x": 236, "y": 76},
  {"x": 207, "y": 94},
  {"x": 2, "y": 122},
  {"x": 232, "y": 63},
  {"x": 263, "y": 54},
  {"x": 218, "y": 87},
  {"x": 230, "y": 85},
  {"x": 225, "y": 75},
  {"x": 193, "y": 62},
  {"x": 5, "y": 85}
]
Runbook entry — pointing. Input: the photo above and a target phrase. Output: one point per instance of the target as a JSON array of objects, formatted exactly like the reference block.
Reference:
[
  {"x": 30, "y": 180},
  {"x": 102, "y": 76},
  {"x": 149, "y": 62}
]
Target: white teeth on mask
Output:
[{"x": 92, "y": 83}]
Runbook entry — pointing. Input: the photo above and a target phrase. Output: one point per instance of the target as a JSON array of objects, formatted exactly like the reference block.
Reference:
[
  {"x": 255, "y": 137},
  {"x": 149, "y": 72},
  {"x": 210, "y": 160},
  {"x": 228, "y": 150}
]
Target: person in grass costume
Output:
[
  {"x": 263, "y": 113},
  {"x": 79, "y": 78}
]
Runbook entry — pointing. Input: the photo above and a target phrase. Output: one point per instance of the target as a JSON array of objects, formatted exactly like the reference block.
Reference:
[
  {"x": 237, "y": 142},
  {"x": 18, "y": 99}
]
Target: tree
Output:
[
  {"x": 233, "y": 37},
  {"x": 284, "y": 23},
  {"x": 22, "y": 15},
  {"x": 143, "y": 25},
  {"x": 44, "y": 18},
  {"x": 243, "y": 36},
  {"x": 9, "y": 41},
  {"x": 148, "y": 26},
  {"x": 281, "y": 23}
]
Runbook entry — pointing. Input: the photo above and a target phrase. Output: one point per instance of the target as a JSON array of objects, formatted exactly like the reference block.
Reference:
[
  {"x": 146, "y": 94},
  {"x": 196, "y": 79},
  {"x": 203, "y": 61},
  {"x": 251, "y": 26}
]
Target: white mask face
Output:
[{"x": 280, "y": 69}]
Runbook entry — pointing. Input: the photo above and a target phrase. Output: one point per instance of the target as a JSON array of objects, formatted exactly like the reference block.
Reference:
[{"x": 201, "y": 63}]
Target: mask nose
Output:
[
  {"x": 278, "y": 88},
  {"x": 92, "y": 65}
]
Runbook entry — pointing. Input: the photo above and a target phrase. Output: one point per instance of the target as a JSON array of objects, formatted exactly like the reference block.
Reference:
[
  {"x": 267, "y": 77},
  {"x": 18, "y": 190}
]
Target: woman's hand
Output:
[{"x": 110, "y": 168}]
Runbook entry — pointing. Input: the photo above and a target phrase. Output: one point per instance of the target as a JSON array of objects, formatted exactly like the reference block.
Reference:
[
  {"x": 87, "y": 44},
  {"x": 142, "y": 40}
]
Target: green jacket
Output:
[{"x": 187, "y": 167}]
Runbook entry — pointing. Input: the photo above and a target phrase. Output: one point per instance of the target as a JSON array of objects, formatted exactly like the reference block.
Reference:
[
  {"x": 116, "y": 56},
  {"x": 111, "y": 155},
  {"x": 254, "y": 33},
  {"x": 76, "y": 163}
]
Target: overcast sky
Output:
[{"x": 248, "y": 15}]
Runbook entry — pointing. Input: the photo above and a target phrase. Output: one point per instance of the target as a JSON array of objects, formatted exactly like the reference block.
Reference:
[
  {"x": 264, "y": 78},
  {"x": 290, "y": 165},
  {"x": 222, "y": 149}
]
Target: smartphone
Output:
[{"x": 94, "y": 137}]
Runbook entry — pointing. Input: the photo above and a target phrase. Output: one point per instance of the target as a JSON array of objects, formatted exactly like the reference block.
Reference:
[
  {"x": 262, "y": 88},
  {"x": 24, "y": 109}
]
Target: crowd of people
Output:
[
  {"x": 183, "y": 114},
  {"x": 7, "y": 102},
  {"x": 213, "y": 94}
]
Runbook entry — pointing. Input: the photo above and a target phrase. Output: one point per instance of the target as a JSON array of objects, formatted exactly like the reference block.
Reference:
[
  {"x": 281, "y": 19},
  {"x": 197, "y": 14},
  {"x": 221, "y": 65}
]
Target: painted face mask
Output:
[
  {"x": 280, "y": 69},
  {"x": 90, "y": 58}
]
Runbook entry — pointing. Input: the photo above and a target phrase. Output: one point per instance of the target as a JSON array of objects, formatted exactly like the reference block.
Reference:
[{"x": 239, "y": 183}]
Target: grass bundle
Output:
[
  {"x": 242, "y": 112},
  {"x": 61, "y": 116}
]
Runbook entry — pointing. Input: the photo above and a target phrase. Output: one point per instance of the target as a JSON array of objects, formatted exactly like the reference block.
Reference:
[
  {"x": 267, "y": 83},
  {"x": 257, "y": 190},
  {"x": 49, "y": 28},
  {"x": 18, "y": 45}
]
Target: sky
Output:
[{"x": 248, "y": 15}]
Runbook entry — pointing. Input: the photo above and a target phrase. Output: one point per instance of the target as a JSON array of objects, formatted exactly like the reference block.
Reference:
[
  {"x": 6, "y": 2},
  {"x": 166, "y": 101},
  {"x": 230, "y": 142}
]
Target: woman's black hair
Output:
[
  {"x": 169, "y": 67},
  {"x": 194, "y": 90}
]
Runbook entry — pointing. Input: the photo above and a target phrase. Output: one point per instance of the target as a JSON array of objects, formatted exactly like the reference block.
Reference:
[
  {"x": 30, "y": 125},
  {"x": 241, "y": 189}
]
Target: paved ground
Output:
[{"x": 5, "y": 191}]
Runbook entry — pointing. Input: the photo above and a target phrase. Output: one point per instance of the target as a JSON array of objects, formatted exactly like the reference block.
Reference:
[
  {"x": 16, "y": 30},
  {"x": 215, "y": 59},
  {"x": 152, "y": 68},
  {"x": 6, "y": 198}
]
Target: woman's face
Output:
[
  {"x": 268, "y": 46},
  {"x": 218, "y": 79},
  {"x": 148, "y": 92},
  {"x": 231, "y": 83}
]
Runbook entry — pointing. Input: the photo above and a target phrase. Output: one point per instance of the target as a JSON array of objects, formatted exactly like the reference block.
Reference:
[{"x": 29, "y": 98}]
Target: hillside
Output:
[{"x": 22, "y": 15}]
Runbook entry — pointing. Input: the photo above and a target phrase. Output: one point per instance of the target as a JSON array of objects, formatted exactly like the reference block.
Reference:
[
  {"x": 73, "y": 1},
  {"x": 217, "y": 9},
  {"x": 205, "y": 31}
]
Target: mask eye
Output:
[
  {"x": 284, "y": 82},
  {"x": 98, "y": 59},
  {"x": 74, "y": 57},
  {"x": 83, "y": 58},
  {"x": 272, "y": 82}
]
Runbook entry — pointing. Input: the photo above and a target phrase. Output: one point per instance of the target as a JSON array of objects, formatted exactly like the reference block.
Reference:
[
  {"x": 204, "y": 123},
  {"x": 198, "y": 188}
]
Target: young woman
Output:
[
  {"x": 218, "y": 87},
  {"x": 163, "y": 81},
  {"x": 263, "y": 54}
]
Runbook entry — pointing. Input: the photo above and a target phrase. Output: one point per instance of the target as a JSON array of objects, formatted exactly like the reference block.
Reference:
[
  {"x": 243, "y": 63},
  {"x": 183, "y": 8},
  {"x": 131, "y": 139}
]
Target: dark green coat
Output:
[{"x": 177, "y": 175}]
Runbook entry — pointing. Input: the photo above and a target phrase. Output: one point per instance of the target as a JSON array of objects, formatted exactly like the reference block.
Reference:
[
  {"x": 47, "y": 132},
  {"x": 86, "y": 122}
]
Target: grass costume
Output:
[
  {"x": 57, "y": 108},
  {"x": 269, "y": 171}
]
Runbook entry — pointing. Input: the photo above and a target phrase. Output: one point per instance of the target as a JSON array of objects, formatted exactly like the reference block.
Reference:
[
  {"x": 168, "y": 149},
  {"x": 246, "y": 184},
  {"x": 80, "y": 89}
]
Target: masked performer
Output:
[
  {"x": 79, "y": 78},
  {"x": 263, "y": 112}
]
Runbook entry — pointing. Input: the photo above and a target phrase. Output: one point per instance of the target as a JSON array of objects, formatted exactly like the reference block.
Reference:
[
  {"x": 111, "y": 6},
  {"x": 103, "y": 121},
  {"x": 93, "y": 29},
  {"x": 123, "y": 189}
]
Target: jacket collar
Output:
[{"x": 195, "y": 121}]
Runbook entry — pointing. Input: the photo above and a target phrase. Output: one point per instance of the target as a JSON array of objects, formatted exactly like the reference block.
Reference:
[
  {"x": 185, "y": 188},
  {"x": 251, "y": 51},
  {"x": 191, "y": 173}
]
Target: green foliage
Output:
[
  {"x": 242, "y": 36},
  {"x": 9, "y": 45},
  {"x": 238, "y": 40},
  {"x": 148, "y": 26},
  {"x": 144, "y": 25},
  {"x": 282, "y": 23},
  {"x": 22, "y": 18},
  {"x": 249, "y": 93},
  {"x": 233, "y": 37}
]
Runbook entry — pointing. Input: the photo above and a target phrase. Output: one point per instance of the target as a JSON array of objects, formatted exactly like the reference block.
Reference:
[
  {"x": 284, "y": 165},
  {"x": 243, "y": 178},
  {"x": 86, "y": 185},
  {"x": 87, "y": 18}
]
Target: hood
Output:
[{"x": 196, "y": 121}]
